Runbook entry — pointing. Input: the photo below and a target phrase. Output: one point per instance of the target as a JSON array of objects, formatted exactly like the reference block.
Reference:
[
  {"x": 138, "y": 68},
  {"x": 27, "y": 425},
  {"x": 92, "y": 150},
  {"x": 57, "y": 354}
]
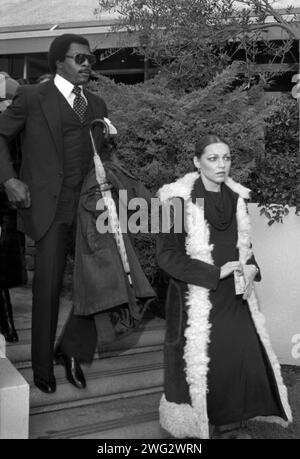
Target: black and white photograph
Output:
[{"x": 150, "y": 223}]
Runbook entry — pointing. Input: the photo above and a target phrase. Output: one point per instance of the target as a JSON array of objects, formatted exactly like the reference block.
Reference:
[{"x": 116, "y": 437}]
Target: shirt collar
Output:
[{"x": 64, "y": 86}]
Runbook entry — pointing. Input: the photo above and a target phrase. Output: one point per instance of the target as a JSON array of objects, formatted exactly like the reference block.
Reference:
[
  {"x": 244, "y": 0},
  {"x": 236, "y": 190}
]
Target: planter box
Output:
[
  {"x": 14, "y": 399},
  {"x": 277, "y": 250}
]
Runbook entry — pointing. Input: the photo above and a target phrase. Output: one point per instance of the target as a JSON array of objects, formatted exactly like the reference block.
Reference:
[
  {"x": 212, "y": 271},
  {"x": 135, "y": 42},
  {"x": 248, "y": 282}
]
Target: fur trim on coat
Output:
[{"x": 184, "y": 420}]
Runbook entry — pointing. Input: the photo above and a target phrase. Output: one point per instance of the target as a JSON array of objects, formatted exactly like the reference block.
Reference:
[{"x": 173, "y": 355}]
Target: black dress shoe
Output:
[
  {"x": 7, "y": 326},
  {"x": 74, "y": 373},
  {"x": 44, "y": 385}
]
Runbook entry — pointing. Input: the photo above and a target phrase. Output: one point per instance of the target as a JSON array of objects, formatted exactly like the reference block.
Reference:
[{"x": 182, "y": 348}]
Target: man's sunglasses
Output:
[{"x": 81, "y": 58}]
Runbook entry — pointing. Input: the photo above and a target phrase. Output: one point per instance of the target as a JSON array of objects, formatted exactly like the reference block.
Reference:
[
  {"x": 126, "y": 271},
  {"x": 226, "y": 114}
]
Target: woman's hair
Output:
[
  {"x": 202, "y": 143},
  {"x": 59, "y": 48}
]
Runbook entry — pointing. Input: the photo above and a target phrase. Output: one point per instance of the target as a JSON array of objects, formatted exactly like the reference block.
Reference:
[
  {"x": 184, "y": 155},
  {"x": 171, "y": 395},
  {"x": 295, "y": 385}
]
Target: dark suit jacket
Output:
[{"x": 35, "y": 114}]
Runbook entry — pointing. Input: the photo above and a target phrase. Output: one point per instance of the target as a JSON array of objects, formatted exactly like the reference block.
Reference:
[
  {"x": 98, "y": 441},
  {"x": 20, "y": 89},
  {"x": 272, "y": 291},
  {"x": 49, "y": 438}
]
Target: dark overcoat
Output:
[
  {"x": 186, "y": 257},
  {"x": 100, "y": 282}
]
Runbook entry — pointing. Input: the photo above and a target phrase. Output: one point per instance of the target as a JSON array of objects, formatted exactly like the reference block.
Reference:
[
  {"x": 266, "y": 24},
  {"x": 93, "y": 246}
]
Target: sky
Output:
[
  {"x": 27, "y": 12},
  {"x": 24, "y": 12}
]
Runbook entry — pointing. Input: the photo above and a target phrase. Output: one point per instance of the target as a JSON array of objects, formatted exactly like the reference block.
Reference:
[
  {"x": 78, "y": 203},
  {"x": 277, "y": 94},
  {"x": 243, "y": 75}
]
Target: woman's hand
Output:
[
  {"x": 250, "y": 272},
  {"x": 230, "y": 267}
]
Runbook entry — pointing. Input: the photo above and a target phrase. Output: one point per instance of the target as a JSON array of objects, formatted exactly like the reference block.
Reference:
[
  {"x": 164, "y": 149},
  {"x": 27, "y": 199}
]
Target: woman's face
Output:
[{"x": 214, "y": 163}]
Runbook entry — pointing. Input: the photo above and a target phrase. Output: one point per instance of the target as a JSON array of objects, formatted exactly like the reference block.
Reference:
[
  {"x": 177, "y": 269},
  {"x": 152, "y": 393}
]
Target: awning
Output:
[{"x": 37, "y": 39}]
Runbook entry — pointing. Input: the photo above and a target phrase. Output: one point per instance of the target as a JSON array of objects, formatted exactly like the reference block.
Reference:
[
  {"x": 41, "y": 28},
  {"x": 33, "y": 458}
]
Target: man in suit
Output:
[{"x": 53, "y": 119}]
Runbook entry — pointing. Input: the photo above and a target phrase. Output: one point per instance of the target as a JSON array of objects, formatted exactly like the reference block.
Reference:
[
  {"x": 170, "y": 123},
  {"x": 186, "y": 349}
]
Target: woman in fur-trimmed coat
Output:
[{"x": 220, "y": 366}]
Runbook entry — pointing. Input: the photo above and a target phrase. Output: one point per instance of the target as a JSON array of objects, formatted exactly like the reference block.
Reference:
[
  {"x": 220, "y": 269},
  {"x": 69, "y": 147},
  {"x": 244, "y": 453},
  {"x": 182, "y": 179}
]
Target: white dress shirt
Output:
[{"x": 65, "y": 88}]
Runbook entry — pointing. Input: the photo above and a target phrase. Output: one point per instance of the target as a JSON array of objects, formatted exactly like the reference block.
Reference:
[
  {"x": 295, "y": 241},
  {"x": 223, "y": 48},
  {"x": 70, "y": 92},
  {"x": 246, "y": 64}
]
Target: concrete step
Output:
[
  {"x": 124, "y": 383},
  {"x": 126, "y": 418},
  {"x": 147, "y": 338},
  {"x": 107, "y": 378}
]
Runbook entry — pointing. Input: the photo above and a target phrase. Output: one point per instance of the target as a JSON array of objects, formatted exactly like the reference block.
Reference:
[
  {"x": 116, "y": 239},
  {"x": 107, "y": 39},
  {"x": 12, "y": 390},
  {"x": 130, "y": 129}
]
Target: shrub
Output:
[
  {"x": 275, "y": 178},
  {"x": 158, "y": 127}
]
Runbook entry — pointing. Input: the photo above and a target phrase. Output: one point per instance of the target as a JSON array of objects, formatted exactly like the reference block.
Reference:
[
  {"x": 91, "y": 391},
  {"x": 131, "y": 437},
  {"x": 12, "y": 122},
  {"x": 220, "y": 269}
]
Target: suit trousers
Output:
[{"x": 51, "y": 253}]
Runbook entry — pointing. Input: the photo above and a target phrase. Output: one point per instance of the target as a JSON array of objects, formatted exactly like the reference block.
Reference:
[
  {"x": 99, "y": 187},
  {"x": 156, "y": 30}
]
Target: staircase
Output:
[{"x": 124, "y": 384}]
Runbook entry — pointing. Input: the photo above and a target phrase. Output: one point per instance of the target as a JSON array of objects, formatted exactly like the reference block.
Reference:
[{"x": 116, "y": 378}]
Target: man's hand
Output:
[
  {"x": 250, "y": 272},
  {"x": 17, "y": 193}
]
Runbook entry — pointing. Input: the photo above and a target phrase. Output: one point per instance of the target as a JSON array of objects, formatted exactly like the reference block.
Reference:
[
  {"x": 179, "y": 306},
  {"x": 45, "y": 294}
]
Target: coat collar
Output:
[
  {"x": 183, "y": 187},
  {"x": 93, "y": 103}
]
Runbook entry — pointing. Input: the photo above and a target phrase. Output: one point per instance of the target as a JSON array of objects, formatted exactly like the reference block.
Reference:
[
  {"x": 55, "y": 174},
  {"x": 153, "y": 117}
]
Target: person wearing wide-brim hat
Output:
[{"x": 12, "y": 259}]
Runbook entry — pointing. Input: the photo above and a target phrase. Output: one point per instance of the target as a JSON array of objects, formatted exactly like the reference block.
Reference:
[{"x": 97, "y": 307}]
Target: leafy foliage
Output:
[
  {"x": 275, "y": 179},
  {"x": 157, "y": 129},
  {"x": 192, "y": 40}
]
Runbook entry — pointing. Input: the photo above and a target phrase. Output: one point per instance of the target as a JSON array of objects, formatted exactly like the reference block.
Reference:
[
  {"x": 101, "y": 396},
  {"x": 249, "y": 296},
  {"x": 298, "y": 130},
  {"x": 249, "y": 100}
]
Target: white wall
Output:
[{"x": 277, "y": 250}]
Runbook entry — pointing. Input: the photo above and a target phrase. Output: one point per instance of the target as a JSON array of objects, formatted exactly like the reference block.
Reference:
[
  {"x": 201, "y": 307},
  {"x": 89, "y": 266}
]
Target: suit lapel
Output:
[
  {"x": 50, "y": 107},
  {"x": 94, "y": 104}
]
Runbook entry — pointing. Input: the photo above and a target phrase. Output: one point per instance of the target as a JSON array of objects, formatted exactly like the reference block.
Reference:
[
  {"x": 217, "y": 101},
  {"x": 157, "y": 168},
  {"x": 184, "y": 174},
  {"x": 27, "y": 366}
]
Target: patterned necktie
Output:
[{"x": 79, "y": 105}]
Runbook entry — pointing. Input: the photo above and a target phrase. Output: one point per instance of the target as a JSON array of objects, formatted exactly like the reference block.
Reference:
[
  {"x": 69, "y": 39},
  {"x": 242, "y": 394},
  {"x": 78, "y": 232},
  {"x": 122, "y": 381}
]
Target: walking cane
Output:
[{"x": 105, "y": 189}]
